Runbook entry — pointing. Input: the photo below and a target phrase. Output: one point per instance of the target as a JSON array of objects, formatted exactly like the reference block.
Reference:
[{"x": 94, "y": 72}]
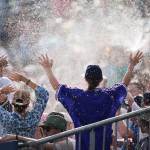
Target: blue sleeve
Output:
[
  {"x": 5, "y": 117},
  {"x": 42, "y": 96},
  {"x": 67, "y": 95},
  {"x": 118, "y": 94}
]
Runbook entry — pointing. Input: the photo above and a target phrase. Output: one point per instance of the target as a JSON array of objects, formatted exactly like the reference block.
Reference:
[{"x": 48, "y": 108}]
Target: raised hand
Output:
[
  {"x": 14, "y": 76},
  {"x": 136, "y": 59},
  {"x": 3, "y": 61},
  {"x": 45, "y": 62},
  {"x": 8, "y": 89}
]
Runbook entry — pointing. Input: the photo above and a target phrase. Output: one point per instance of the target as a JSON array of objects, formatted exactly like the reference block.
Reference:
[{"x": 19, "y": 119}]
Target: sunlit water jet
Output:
[{"x": 74, "y": 34}]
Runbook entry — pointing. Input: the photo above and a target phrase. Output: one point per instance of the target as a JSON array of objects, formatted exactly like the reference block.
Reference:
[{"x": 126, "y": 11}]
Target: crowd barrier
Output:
[{"x": 92, "y": 133}]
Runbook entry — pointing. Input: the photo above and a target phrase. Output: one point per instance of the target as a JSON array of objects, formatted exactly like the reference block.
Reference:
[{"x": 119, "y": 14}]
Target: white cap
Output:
[{"x": 67, "y": 117}]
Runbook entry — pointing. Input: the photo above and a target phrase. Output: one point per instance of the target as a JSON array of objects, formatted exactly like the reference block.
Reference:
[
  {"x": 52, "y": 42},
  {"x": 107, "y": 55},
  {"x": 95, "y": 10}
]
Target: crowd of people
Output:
[
  {"x": 78, "y": 107},
  {"x": 28, "y": 109}
]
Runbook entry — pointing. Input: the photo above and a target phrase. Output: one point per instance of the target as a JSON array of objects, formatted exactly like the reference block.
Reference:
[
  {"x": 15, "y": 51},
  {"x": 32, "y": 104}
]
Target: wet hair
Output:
[
  {"x": 20, "y": 108},
  {"x": 92, "y": 84}
]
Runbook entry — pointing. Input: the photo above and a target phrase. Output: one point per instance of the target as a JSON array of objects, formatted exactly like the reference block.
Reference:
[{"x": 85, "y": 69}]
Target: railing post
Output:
[
  {"x": 66, "y": 143},
  {"x": 92, "y": 140},
  {"x": 104, "y": 135},
  {"x": 41, "y": 147},
  {"x": 149, "y": 134},
  {"x": 79, "y": 142},
  {"x": 115, "y": 135},
  {"x": 54, "y": 145},
  {"x": 127, "y": 134},
  {"x": 137, "y": 145}
]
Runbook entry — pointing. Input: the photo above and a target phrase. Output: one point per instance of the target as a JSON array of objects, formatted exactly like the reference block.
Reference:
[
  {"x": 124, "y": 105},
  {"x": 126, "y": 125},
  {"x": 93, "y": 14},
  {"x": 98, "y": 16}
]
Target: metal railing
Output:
[{"x": 92, "y": 133}]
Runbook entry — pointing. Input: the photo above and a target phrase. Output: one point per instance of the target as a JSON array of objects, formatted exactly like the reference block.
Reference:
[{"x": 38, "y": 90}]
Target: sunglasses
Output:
[{"x": 47, "y": 128}]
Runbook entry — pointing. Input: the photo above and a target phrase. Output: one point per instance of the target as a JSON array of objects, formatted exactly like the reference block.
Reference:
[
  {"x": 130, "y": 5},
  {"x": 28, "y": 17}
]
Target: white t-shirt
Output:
[
  {"x": 134, "y": 108},
  {"x": 62, "y": 145}
]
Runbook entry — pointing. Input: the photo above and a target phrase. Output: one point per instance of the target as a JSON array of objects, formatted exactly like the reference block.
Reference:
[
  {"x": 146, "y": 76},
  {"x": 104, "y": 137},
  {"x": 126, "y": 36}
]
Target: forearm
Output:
[
  {"x": 128, "y": 76},
  {"x": 52, "y": 79},
  {"x": 25, "y": 139},
  {"x": 31, "y": 83},
  {"x": 47, "y": 146},
  {"x": 122, "y": 128},
  {"x": 129, "y": 99}
]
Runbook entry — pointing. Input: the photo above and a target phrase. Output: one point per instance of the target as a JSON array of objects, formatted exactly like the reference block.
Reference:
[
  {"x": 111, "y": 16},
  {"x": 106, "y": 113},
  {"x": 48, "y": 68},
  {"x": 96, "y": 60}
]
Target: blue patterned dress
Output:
[{"x": 13, "y": 123}]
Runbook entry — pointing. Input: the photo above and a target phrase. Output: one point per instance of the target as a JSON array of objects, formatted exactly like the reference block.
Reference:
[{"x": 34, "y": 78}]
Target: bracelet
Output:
[
  {"x": 16, "y": 137},
  {"x": 28, "y": 82}
]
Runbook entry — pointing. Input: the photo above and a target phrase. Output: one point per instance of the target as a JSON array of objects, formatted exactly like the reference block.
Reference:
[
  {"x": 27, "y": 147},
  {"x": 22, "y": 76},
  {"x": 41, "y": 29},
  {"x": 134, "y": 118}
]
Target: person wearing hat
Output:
[
  {"x": 94, "y": 104},
  {"x": 146, "y": 98},
  {"x": 23, "y": 122},
  {"x": 54, "y": 124},
  {"x": 139, "y": 100}
]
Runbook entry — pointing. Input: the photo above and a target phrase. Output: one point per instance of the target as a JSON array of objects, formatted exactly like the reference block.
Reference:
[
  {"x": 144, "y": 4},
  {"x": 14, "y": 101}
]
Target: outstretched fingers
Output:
[
  {"x": 137, "y": 53},
  {"x": 139, "y": 56},
  {"x": 40, "y": 58},
  {"x": 43, "y": 57},
  {"x": 12, "y": 75},
  {"x": 11, "y": 88}
]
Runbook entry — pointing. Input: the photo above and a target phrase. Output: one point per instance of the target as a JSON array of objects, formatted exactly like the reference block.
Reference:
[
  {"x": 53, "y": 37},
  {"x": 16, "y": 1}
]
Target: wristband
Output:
[
  {"x": 17, "y": 137},
  {"x": 28, "y": 82}
]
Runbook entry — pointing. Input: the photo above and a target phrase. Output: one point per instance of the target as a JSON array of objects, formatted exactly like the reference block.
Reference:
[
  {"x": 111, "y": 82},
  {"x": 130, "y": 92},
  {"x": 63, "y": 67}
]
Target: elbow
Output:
[
  {"x": 123, "y": 135},
  {"x": 55, "y": 86}
]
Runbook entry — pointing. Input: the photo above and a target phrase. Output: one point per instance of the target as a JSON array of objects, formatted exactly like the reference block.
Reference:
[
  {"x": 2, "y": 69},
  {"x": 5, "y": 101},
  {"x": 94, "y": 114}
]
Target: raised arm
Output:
[
  {"x": 133, "y": 61},
  {"x": 130, "y": 99},
  {"x": 14, "y": 76},
  {"x": 122, "y": 127},
  {"x": 47, "y": 65}
]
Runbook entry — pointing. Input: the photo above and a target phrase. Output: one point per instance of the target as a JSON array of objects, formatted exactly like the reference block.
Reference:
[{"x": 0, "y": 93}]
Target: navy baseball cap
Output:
[
  {"x": 147, "y": 98},
  {"x": 93, "y": 72},
  {"x": 138, "y": 99}
]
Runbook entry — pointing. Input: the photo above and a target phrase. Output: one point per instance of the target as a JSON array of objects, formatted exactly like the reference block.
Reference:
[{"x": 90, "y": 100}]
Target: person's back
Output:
[
  {"x": 80, "y": 105},
  {"x": 92, "y": 107}
]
